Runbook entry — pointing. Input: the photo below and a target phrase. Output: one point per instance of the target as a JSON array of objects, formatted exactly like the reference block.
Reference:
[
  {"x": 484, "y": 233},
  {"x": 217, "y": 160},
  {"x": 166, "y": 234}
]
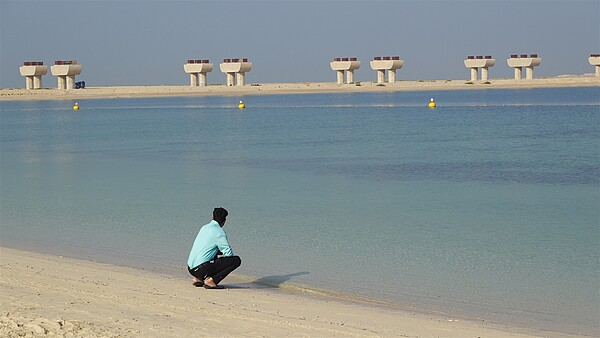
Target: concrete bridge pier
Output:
[
  {"x": 235, "y": 70},
  {"x": 197, "y": 70},
  {"x": 344, "y": 65},
  {"x": 476, "y": 62},
  {"x": 386, "y": 63},
  {"x": 594, "y": 60},
  {"x": 33, "y": 71},
  {"x": 65, "y": 72},
  {"x": 523, "y": 61}
]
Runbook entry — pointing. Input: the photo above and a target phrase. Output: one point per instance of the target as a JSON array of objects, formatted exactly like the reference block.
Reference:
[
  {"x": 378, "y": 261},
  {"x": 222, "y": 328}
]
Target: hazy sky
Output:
[{"x": 147, "y": 42}]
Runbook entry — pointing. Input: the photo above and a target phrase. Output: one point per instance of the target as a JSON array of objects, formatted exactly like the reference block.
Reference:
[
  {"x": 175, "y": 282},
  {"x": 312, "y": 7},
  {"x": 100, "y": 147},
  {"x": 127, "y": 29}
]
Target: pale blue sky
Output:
[{"x": 147, "y": 42}]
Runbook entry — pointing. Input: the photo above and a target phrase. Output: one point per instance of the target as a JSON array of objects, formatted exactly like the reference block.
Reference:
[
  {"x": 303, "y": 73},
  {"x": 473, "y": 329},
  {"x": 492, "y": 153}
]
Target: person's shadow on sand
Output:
[
  {"x": 268, "y": 281},
  {"x": 276, "y": 280}
]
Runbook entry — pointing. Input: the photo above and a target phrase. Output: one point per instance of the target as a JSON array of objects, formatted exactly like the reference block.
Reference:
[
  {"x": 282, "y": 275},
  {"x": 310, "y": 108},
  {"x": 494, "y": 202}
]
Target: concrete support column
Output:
[
  {"x": 70, "y": 81},
  {"x": 474, "y": 74},
  {"x": 594, "y": 60},
  {"x": 65, "y": 72},
  {"x": 236, "y": 70},
  {"x": 484, "y": 73},
  {"x": 197, "y": 70},
  {"x": 241, "y": 77},
  {"x": 391, "y": 75},
  {"x": 381, "y": 64},
  {"x": 202, "y": 79},
  {"x": 193, "y": 79},
  {"x": 518, "y": 72},
  {"x": 380, "y": 75},
  {"x": 33, "y": 71},
  {"x": 341, "y": 65},
  {"x": 529, "y": 72},
  {"x": 29, "y": 82},
  {"x": 37, "y": 81},
  {"x": 230, "y": 79},
  {"x": 62, "y": 82},
  {"x": 474, "y": 63},
  {"x": 518, "y": 62},
  {"x": 340, "y": 76},
  {"x": 350, "y": 75}
]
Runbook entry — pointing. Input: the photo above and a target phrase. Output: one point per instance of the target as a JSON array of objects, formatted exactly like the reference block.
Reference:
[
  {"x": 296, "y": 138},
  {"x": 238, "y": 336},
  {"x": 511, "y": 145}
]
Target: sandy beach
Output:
[
  {"x": 54, "y": 295},
  {"x": 7, "y": 94}
]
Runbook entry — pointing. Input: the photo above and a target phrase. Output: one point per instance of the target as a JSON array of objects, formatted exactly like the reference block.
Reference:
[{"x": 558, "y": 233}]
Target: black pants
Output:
[{"x": 218, "y": 268}]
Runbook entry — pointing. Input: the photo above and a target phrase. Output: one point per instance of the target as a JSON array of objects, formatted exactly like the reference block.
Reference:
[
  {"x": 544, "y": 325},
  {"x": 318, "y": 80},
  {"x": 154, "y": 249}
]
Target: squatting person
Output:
[{"x": 211, "y": 258}]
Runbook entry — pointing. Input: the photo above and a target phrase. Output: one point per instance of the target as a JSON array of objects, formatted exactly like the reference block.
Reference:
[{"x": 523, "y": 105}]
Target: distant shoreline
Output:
[{"x": 14, "y": 94}]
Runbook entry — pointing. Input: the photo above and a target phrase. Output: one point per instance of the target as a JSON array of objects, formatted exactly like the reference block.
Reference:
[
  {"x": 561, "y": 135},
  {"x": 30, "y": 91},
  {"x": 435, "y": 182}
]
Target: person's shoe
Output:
[
  {"x": 218, "y": 287},
  {"x": 198, "y": 284}
]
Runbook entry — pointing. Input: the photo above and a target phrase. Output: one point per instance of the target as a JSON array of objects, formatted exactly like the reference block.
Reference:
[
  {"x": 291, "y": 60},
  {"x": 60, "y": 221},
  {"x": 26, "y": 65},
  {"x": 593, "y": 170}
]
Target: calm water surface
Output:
[{"x": 487, "y": 206}]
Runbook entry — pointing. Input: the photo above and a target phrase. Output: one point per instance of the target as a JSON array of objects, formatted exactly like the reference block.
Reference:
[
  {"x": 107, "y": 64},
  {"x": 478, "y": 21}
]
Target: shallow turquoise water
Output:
[{"x": 487, "y": 206}]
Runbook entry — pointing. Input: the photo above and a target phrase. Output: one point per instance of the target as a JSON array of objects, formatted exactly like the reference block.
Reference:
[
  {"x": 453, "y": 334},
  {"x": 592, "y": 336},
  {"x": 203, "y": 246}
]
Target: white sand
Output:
[
  {"x": 49, "y": 295},
  {"x": 288, "y": 88}
]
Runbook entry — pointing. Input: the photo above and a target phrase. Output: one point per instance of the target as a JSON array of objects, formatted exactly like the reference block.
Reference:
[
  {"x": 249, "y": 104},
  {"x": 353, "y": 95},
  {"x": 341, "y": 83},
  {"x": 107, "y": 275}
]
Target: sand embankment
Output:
[
  {"x": 51, "y": 295},
  {"x": 288, "y": 88}
]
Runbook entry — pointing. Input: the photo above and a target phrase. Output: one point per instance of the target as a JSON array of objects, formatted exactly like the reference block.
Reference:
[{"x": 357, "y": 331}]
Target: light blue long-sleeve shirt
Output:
[{"x": 210, "y": 239}]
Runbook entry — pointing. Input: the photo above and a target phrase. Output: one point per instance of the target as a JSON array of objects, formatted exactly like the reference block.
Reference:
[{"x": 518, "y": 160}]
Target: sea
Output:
[{"x": 486, "y": 207}]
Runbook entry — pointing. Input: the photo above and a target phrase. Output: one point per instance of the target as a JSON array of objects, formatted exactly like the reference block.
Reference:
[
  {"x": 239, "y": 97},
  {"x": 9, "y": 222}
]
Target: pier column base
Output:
[{"x": 597, "y": 71}]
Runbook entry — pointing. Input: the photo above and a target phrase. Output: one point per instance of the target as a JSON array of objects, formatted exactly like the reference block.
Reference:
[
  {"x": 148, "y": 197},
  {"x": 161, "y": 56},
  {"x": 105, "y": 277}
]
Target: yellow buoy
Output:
[
  {"x": 241, "y": 105},
  {"x": 431, "y": 103},
  {"x": 76, "y": 106}
]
